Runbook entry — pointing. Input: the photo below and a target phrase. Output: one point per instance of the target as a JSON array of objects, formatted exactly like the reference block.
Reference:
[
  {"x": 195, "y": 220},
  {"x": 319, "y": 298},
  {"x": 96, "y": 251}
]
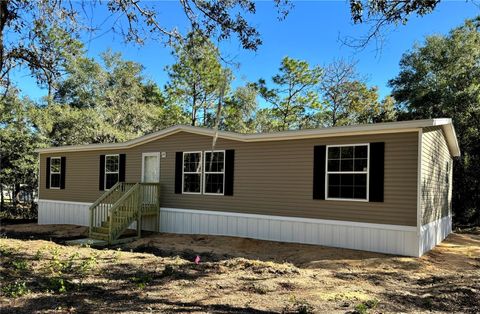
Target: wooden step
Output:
[
  {"x": 102, "y": 229},
  {"x": 99, "y": 236}
]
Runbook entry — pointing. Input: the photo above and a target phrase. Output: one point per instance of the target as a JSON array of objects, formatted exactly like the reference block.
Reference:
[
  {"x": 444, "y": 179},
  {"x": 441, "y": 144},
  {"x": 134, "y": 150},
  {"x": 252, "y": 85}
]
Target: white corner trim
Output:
[{"x": 419, "y": 181}]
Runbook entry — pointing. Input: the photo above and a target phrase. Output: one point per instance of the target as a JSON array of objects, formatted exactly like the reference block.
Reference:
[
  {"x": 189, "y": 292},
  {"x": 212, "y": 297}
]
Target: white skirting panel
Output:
[
  {"x": 391, "y": 239},
  {"x": 60, "y": 212},
  {"x": 433, "y": 233}
]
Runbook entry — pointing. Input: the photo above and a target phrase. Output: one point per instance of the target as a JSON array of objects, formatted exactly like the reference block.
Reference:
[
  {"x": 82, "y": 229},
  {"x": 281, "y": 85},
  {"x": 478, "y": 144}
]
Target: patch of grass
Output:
[
  {"x": 6, "y": 251},
  {"x": 15, "y": 289},
  {"x": 58, "y": 285},
  {"x": 364, "y": 307},
  {"x": 88, "y": 264},
  {"x": 20, "y": 264},
  {"x": 141, "y": 280},
  {"x": 38, "y": 255}
]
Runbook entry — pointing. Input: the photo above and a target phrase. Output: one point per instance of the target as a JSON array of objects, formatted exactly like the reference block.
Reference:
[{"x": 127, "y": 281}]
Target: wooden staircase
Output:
[{"x": 118, "y": 208}]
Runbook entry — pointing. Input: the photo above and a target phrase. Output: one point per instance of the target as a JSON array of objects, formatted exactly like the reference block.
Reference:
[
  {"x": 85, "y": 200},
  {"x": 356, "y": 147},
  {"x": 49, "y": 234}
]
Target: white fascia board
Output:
[{"x": 378, "y": 128}]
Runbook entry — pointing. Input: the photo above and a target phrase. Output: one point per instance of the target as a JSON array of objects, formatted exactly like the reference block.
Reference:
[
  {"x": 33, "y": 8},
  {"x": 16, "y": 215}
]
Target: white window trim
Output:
[
  {"x": 54, "y": 172},
  {"x": 156, "y": 154},
  {"x": 213, "y": 172},
  {"x": 200, "y": 173},
  {"x": 348, "y": 172},
  {"x": 105, "y": 171}
]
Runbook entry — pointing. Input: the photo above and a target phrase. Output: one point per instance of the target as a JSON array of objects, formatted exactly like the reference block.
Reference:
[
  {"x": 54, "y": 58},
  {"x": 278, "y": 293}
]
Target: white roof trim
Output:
[{"x": 389, "y": 127}]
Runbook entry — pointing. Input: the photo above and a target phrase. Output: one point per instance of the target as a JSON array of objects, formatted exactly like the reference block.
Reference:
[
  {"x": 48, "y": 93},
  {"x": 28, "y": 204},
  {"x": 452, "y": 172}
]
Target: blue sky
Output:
[{"x": 310, "y": 32}]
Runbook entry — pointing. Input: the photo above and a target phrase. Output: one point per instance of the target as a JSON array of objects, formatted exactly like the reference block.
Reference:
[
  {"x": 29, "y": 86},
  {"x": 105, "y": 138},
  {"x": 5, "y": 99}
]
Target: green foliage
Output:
[
  {"x": 346, "y": 98},
  {"x": 18, "y": 161},
  {"x": 441, "y": 78},
  {"x": 239, "y": 110},
  {"x": 364, "y": 307},
  {"x": 57, "y": 284},
  {"x": 294, "y": 95},
  {"x": 141, "y": 280},
  {"x": 38, "y": 255},
  {"x": 20, "y": 264},
  {"x": 105, "y": 103},
  {"x": 197, "y": 79},
  {"x": 15, "y": 289}
]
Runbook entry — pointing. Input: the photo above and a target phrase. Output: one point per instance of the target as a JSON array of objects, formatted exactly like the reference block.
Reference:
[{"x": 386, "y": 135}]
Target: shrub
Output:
[{"x": 57, "y": 284}]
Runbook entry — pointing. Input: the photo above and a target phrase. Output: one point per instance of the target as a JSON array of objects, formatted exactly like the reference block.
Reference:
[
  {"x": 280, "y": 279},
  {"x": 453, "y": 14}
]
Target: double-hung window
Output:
[
  {"x": 112, "y": 170},
  {"x": 214, "y": 172},
  {"x": 55, "y": 172},
  {"x": 192, "y": 172},
  {"x": 347, "y": 172}
]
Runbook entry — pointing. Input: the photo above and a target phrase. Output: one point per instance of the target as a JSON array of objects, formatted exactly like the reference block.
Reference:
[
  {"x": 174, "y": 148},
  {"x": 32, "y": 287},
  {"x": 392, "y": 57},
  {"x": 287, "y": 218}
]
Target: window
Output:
[
  {"x": 192, "y": 172},
  {"x": 112, "y": 166},
  {"x": 214, "y": 173},
  {"x": 55, "y": 172},
  {"x": 347, "y": 172}
]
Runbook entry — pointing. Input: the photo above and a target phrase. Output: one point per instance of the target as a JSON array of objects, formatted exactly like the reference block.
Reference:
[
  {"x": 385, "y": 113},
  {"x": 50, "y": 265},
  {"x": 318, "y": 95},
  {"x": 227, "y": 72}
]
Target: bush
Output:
[{"x": 57, "y": 284}]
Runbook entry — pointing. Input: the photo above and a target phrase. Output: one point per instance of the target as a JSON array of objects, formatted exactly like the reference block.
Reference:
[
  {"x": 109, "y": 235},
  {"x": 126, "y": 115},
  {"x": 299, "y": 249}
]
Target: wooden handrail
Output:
[
  {"x": 123, "y": 204},
  {"x": 114, "y": 231},
  {"x": 124, "y": 196},
  {"x": 105, "y": 195}
]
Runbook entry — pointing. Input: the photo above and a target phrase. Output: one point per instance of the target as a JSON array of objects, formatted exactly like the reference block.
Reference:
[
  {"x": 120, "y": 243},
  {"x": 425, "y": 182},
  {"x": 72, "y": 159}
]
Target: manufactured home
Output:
[{"x": 383, "y": 187}]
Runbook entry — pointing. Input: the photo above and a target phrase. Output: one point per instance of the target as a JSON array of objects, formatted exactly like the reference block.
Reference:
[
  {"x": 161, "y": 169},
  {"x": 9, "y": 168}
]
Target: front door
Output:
[
  {"x": 151, "y": 167},
  {"x": 150, "y": 174}
]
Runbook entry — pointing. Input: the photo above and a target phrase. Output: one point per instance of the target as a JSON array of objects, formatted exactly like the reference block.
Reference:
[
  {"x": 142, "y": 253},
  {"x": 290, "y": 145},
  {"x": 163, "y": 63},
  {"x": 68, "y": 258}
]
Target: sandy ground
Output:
[{"x": 235, "y": 275}]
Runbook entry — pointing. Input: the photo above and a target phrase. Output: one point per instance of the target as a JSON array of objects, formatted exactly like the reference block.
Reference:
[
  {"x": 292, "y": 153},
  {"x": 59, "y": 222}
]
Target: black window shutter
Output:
[
  {"x": 319, "y": 172},
  {"x": 47, "y": 174},
  {"x": 229, "y": 171},
  {"x": 63, "y": 163},
  {"x": 101, "y": 184},
  {"x": 377, "y": 171},
  {"x": 178, "y": 172},
  {"x": 121, "y": 172}
]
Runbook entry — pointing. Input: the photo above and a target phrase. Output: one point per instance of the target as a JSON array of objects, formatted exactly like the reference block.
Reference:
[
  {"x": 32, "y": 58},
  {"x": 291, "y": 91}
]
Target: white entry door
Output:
[
  {"x": 150, "y": 174},
  {"x": 151, "y": 167}
]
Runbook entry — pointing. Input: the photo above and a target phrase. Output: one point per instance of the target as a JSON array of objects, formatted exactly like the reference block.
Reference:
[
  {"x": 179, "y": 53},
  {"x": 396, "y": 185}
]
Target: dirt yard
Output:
[{"x": 158, "y": 274}]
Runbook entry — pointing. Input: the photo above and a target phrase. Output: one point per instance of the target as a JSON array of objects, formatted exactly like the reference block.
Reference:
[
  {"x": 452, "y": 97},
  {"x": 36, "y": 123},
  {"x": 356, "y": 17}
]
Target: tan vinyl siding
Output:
[
  {"x": 436, "y": 181},
  {"x": 270, "y": 178}
]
